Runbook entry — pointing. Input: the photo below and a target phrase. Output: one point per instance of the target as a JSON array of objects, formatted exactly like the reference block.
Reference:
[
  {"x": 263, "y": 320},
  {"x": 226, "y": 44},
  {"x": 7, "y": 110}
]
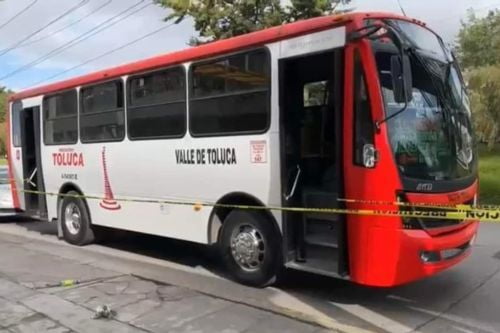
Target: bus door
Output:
[
  {"x": 35, "y": 203},
  {"x": 311, "y": 144}
]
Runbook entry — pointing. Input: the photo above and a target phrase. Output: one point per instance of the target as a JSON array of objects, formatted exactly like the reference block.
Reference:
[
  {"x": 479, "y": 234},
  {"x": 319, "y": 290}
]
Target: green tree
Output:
[
  {"x": 220, "y": 19},
  {"x": 304, "y": 9},
  {"x": 3, "y": 104},
  {"x": 479, "y": 53},
  {"x": 4, "y": 93},
  {"x": 484, "y": 83},
  {"x": 479, "y": 40}
]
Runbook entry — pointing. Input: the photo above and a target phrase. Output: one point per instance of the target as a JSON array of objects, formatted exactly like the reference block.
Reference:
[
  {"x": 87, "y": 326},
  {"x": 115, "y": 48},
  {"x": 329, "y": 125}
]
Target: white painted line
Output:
[
  {"x": 374, "y": 318},
  {"x": 288, "y": 301}
]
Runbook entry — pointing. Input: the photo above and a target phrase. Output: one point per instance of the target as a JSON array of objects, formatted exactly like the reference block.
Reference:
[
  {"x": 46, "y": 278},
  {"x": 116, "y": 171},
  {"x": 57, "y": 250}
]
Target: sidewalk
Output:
[{"x": 27, "y": 305}]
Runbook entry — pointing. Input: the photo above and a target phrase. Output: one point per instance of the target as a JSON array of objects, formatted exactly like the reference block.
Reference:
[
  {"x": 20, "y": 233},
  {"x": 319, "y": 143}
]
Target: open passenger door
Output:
[{"x": 311, "y": 152}]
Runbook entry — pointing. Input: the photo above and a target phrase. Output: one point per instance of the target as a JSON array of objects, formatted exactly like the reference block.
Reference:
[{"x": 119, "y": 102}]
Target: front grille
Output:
[
  {"x": 429, "y": 223},
  {"x": 439, "y": 223}
]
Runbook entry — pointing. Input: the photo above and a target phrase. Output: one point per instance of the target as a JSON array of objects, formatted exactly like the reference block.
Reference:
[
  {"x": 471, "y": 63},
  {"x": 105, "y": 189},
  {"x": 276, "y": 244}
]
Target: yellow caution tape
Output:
[
  {"x": 425, "y": 205},
  {"x": 466, "y": 214},
  {"x": 376, "y": 202},
  {"x": 421, "y": 204}
]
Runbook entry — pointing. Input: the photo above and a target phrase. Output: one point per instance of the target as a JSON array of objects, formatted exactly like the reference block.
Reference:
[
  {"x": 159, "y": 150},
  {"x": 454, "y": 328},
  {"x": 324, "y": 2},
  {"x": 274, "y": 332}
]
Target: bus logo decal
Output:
[
  {"x": 68, "y": 157},
  {"x": 424, "y": 187},
  {"x": 211, "y": 156},
  {"x": 109, "y": 201}
]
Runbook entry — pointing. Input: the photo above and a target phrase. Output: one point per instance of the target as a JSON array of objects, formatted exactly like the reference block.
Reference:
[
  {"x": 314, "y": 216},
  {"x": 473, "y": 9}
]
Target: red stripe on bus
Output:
[
  {"x": 210, "y": 50},
  {"x": 13, "y": 189}
]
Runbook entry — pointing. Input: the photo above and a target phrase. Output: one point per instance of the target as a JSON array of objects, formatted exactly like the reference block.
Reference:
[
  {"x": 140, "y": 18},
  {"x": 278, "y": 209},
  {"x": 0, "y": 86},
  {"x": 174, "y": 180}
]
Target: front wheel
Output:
[
  {"x": 75, "y": 220},
  {"x": 251, "y": 248}
]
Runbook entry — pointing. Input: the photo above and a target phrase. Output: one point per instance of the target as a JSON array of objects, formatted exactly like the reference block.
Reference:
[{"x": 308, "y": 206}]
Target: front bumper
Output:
[{"x": 397, "y": 256}]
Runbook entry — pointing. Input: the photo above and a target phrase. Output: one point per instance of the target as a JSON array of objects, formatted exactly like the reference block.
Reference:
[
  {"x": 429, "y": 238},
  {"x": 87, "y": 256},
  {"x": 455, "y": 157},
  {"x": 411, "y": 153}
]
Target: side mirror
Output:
[
  {"x": 370, "y": 156},
  {"x": 402, "y": 79}
]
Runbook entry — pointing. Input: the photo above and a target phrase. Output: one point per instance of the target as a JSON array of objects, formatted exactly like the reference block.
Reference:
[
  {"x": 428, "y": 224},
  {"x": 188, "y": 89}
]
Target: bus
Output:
[{"x": 354, "y": 111}]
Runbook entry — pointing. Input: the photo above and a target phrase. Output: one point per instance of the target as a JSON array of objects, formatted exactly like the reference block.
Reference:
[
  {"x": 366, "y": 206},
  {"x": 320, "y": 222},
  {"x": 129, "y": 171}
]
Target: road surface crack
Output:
[
  {"x": 34, "y": 313},
  {"x": 454, "y": 304}
]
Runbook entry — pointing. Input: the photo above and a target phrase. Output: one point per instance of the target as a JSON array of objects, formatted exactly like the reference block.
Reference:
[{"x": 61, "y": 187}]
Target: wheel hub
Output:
[
  {"x": 248, "y": 248},
  {"x": 72, "y": 218}
]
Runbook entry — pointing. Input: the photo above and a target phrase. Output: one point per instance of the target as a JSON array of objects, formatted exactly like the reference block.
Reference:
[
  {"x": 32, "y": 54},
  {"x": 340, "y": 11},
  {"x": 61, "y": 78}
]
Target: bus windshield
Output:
[{"x": 432, "y": 139}]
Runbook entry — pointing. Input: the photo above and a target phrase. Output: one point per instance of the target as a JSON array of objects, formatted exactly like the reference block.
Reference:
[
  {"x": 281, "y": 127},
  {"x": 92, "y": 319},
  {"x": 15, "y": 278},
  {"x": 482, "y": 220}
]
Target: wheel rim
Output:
[
  {"x": 72, "y": 218},
  {"x": 248, "y": 247}
]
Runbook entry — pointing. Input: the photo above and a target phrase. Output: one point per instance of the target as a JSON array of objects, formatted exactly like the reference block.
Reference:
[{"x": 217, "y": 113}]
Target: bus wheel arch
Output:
[
  {"x": 219, "y": 214},
  {"x": 66, "y": 188},
  {"x": 76, "y": 199},
  {"x": 249, "y": 241}
]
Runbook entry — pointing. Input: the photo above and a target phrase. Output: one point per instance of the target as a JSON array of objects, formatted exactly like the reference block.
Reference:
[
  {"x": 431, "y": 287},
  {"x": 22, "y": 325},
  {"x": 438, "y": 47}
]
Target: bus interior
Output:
[
  {"x": 311, "y": 119},
  {"x": 32, "y": 163}
]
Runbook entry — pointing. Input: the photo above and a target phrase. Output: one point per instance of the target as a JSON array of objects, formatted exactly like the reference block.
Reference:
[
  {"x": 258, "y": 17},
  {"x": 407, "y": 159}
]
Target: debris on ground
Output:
[{"x": 104, "y": 311}]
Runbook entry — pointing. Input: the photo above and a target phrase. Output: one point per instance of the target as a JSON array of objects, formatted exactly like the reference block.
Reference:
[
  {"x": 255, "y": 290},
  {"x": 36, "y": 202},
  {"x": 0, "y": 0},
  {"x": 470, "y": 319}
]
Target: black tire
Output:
[
  {"x": 240, "y": 222},
  {"x": 82, "y": 235}
]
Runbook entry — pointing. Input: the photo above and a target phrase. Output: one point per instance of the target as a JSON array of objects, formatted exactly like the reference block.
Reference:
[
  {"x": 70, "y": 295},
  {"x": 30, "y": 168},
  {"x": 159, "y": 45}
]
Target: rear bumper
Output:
[{"x": 394, "y": 256}]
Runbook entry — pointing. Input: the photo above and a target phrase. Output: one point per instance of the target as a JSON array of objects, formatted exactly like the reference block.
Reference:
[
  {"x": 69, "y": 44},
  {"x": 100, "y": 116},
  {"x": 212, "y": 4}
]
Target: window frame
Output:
[
  {"x": 44, "y": 119},
  {"x": 13, "y": 119},
  {"x": 221, "y": 57},
  {"x": 128, "y": 106},
  {"x": 360, "y": 78},
  {"x": 123, "y": 109}
]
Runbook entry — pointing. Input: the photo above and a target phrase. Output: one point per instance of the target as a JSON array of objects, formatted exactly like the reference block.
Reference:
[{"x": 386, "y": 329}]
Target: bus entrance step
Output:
[
  {"x": 322, "y": 240},
  {"x": 320, "y": 260},
  {"x": 321, "y": 232}
]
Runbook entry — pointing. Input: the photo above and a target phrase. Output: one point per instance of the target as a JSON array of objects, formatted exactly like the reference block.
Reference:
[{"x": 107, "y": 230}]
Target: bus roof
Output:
[{"x": 207, "y": 50}]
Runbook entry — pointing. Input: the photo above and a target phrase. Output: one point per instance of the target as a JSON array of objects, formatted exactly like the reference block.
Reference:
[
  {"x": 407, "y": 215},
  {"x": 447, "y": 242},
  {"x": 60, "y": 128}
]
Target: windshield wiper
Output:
[
  {"x": 450, "y": 128},
  {"x": 412, "y": 51}
]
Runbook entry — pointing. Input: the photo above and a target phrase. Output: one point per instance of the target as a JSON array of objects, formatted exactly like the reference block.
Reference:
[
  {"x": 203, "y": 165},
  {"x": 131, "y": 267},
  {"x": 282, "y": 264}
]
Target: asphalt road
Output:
[{"x": 463, "y": 299}]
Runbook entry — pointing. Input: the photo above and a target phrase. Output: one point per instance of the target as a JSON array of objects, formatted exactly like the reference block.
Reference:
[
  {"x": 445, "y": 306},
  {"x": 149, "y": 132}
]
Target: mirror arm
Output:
[{"x": 380, "y": 122}]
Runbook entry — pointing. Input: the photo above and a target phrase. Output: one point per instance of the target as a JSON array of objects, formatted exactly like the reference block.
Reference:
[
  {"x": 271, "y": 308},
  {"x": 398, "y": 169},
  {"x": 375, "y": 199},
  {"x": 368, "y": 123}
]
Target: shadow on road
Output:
[{"x": 6, "y": 217}]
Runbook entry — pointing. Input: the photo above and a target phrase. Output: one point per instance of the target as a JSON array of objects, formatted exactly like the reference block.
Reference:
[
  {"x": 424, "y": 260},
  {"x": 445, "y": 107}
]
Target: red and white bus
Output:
[{"x": 364, "y": 106}]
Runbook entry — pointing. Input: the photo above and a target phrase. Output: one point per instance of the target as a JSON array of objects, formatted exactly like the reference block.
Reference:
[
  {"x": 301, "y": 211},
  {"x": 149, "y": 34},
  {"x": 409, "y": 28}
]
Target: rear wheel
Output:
[
  {"x": 251, "y": 248},
  {"x": 75, "y": 220}
]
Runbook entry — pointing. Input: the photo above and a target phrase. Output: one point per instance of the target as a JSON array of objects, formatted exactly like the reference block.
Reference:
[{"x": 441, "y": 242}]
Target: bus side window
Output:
[
  {"x": 230, "y": 95},
  {"x": 363, "y": 121},
  {"x": 157, "y": 105},
  {"x": 60, "y": 122},
  {"x": 102, "y": 113}
]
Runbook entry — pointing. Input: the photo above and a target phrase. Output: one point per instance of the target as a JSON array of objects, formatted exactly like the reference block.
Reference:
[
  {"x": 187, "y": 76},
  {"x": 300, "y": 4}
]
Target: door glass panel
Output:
[
  {"x": 315, "y": 93},
  {"x": 16, "y": 123}
]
